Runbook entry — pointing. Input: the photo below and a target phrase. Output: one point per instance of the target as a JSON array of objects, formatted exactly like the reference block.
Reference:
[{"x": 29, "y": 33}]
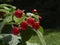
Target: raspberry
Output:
[
  {"x": 24, "y": 25},
  {"x": 15, "y": 30},
  {"x": 18, "y": 13},
  {"x": 36, "y": 25},
  {"x": 40, "y": 17},
  {"x": 30, "y": 21},
  {"x": 34, "y": 11}
]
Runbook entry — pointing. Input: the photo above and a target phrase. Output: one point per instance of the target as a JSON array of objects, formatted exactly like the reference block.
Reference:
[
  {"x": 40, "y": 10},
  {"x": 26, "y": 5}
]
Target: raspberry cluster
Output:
[{"x": 29, "y": 21}]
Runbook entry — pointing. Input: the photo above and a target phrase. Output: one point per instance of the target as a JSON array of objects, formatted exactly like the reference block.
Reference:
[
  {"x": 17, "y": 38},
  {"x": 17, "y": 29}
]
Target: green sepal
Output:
[{"x": 19, "y": 20}]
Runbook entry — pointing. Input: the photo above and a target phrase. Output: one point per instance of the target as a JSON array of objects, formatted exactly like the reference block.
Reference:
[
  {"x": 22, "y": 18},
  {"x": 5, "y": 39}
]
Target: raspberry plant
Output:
[{"x": 18, "y": 27}]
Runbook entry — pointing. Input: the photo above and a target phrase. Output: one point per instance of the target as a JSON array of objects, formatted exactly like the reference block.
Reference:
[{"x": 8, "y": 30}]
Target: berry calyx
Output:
[
  {"x": 30, "y": 21},
  {"x": 34, "y": 11},
  {"x": 15, "y": 30},
  {"x": 18, "y": 13},
  {"x": 24, "y": 25},
  {"x": 36, "y": 25}
]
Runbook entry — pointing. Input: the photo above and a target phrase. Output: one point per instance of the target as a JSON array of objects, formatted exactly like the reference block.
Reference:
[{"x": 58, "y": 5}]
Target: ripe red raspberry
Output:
[
  {"x": 24, "y": 25},
  {"x": 36, "y": 25},
  {"x": 30, "y": 21},
  {"x": 18, "y": 13},
  {"x": 40, "y": 17},
  {"x": 15, "y": 30},
  {"x": 34, "y": 11}
]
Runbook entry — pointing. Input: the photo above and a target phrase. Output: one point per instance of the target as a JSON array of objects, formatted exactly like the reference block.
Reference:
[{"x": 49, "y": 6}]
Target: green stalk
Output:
[
  {"x": 40, "y": 37},
  {"x": 12, "y": 17},
  {"x": 2, "y": 25}
]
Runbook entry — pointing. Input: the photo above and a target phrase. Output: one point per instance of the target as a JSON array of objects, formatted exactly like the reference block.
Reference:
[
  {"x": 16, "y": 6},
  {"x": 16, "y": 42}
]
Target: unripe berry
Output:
[
  {"x": 40, "y": 17},
  {"x": 34, "y": 11}
]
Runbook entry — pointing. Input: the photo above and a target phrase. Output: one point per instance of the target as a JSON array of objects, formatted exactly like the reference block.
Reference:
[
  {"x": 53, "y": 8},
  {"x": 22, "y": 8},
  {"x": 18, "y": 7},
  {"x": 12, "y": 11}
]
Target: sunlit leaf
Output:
[
  {"x": 15, "y": 40},
  {"x": 7, "y": 5},
  {"x": 19, "y": 20},
  {"x": 41, "y": 29},
  {"x": 35, "y": 16},
  {"x": 34, "y": 40},
  {"x": 41, "y": 38},
  {"x": 9, "y": 19},
  {"x": 5, "y": 11}
]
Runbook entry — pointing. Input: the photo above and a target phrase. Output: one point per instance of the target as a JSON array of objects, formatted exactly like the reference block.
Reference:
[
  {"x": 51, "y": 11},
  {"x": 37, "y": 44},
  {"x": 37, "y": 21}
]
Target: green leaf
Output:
[
  {"x": 6, "y": 29},
  {"x": 19, "y": 20},
  {"x": 34, "y": 37},
  {"x": 35, "y": 16},
  {"x": 34, "y": 40},
  {"x": 15, "y": 40},
  {"x": 10, "y": 39},
  {"x": 5, "y": 11},
  {"x": 28, "y": 43},
  {"x": 6, "y": 38},
  {"x": 7, "y": 7},
  {"x": 41, "y": 38},
  {"x": 26, "y": 34},
  {"x": 41, "y": 29},
  {"x": 2, "y": 25},
  {"x": 37, "y": 39},
  {"x": 9, "y": 18}
]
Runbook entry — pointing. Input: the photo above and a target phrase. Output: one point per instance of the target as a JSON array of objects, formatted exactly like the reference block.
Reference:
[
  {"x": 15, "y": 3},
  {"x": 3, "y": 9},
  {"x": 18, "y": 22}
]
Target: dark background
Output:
[{"x": 48, "y": 9}]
